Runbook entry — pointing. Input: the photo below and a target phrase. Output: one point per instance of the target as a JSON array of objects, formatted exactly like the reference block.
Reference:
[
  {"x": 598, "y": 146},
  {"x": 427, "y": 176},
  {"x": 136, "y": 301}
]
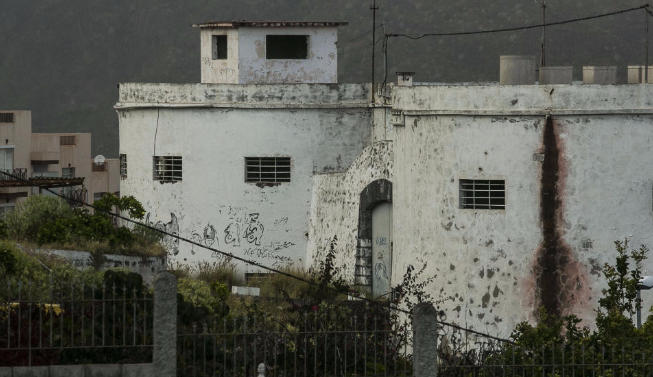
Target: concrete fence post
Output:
[
  {"x": 425, "y": 341},
  {"x": 164, "y": 353}
]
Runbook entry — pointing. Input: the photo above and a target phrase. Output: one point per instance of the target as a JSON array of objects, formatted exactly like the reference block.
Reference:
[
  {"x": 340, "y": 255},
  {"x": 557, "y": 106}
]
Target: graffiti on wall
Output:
[
  {"x": 171, "y": 227},
  {"x": 243, "y": 228}
]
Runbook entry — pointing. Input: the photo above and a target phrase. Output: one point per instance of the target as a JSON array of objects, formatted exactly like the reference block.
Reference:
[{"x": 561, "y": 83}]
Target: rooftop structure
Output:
[{"x": 265, "y": 52}]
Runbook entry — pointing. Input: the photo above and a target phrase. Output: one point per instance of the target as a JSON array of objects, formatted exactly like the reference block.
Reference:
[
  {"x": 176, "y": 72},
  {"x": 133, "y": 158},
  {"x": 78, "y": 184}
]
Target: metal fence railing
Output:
[
  {"x": 311, "y": 345},
  {"x": 65, "y": 322},
  {"x": 463, "y": 353}
]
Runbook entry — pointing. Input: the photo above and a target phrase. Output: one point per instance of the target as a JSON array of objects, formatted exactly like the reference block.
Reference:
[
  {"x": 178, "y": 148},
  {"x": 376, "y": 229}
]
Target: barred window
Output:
[
  {"x": 482, "y": 194},
  {"x": 67, "y": 140},
  {"x": 6, "y": 117},
  {"x": 167, "y": 168},
  {"x": 123, "y": 166},
  {"x": 267, "y": 169}
]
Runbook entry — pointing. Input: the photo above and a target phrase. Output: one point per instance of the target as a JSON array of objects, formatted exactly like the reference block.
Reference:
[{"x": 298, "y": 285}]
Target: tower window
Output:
[
  {"x": 286, "y": 46},
  {"x": 219, "y": 43},
  {"x": 482, "y": 194}
]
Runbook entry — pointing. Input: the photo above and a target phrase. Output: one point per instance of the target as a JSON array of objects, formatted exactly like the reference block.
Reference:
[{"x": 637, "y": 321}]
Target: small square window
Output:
[
  {"x": 97, "y": 196},
  {"x": 267, "y": 169},
  {"x": 286, "y": 46},
  {"x": 219, "y": 47},
  {"x": 67, "y": 140},
  {"x": 123, "y": 166},
  {"x": 167, "y": 169},
  {"x": 482, "y": 194}
]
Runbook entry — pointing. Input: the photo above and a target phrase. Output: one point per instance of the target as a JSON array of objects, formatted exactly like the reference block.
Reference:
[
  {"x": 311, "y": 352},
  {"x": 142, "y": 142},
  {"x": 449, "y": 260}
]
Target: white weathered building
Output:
[
  {"x": 511, "y": 194},
  {"x": 231, "y": 165}
]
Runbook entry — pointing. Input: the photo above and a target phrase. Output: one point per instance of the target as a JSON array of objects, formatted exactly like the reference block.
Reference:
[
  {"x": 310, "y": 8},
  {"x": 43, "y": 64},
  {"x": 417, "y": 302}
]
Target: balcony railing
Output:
[{"x": 18, "y": 174}]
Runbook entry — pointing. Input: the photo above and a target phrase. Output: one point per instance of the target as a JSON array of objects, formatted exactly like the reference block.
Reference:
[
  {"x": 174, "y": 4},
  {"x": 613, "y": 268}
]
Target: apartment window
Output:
[
  {"x": 6, "y": 117},
  {"x": 97, "y": 196},
  {"x": 68, "y": 172},
  {"x": 482, "y": 194},
  {"x": 267, "y": 169},
  {"x": 67, "y": 140},
  {"x": 6, "y": 208},
  {"x": 286, "y": 46},
  {"x": 219, "y": 49},
  {"x": 6, "y": 158},
  {"x": 123, "y": 166},
  {"x": 167, "y": 168}
]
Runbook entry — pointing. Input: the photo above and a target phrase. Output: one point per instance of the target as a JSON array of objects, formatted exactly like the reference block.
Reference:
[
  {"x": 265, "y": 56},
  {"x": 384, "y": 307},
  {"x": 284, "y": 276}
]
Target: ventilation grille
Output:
[{"x": 67, "y": 140}]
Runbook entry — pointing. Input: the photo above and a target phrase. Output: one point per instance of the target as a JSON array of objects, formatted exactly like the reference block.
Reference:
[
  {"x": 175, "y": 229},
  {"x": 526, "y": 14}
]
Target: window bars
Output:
[
  {"x": 267, "y": 169},
  {"x": 167, "y": 169},
  {"x": 123, "y": 166},
  {"x": 482, "y": 194}
]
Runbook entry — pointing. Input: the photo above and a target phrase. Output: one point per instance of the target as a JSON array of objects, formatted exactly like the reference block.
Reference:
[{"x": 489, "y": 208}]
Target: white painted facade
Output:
[
  {"x": 575, "y": 160},
  {"x": 246, "y": 61},
  {"x": 213, "y": 128},
  {"x": 488, "y": 264}
]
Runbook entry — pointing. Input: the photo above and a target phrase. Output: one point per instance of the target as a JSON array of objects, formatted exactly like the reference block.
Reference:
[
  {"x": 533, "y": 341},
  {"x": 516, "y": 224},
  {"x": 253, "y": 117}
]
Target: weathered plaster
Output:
[
  {"x": 488, "y": 263},
  {"x": 213, "y": 205},
  {"x": 335, "y": 205}
]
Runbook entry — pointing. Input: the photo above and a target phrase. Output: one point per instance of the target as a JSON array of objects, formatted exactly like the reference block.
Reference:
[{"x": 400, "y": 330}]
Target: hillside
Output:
[{"x": 63, "y": 58}]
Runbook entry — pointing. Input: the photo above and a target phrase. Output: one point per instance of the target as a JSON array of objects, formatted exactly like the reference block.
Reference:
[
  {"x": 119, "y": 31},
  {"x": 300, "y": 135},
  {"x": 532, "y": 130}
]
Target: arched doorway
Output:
[{"x": 374, "y": 260}]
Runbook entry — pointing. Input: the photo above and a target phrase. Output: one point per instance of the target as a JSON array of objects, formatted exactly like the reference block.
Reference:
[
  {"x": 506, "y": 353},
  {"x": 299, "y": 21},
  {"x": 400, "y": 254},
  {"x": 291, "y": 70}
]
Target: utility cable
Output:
[
  {"x": 518, "y": 28},
  {"x": 251, "y": 262}
]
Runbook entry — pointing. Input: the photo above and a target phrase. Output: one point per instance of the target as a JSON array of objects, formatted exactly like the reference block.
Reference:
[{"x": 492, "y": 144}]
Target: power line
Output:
[
  {"x": 251, "y": 262},
  {"x": 518, "y": 28}
]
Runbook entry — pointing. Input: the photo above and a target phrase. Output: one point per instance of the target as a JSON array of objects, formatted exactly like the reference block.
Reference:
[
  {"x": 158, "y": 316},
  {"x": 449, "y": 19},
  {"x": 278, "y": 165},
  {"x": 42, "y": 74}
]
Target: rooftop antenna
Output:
[
  {"x": 543, "y": 43},
  {"x": 373, "y": 8}
]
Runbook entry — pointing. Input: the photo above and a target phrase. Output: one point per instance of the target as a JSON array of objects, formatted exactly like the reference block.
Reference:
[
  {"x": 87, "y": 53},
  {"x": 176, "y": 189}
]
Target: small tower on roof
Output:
[{"x": 269, "y": 52}]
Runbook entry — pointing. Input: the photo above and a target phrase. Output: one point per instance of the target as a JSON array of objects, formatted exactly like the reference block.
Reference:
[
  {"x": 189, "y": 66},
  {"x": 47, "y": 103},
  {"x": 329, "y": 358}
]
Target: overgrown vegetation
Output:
[{"x": 49, "y": 222}]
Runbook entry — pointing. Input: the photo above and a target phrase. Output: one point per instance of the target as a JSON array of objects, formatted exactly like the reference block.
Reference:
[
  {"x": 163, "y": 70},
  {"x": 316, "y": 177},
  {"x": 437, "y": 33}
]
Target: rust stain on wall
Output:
[{"x": 560, "y": 280}]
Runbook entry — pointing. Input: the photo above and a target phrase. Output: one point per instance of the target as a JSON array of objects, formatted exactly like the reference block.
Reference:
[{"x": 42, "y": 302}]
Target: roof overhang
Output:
[{"x": 267, "y": 24}]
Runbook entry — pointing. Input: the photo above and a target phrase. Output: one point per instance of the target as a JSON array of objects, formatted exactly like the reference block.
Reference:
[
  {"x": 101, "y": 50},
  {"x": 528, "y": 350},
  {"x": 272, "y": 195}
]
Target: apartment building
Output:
[{"x": 33, "y": 163}]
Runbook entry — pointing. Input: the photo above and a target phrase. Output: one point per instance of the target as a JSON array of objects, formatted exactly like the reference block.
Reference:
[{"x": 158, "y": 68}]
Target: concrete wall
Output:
[
  {"x": 335, "y": 204},
  {"x": 494, "y": 268},
  {"x": 46, "y": 146},
  {"x": 323, "y": 128},
  {"x": 147, "y": 267},
  {"x": 320, "y": 67},
  {"x": 219, "y": 71},
  {"x": 87, "y": 370}
]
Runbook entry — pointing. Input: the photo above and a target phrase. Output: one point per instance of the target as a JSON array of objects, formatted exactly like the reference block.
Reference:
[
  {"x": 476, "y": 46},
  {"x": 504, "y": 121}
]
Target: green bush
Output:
[{"x": 50, "y": 222}]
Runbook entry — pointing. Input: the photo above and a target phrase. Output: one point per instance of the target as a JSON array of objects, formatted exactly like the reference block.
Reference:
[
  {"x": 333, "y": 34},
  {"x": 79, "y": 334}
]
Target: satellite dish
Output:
[{"x": 99, "y": 160}]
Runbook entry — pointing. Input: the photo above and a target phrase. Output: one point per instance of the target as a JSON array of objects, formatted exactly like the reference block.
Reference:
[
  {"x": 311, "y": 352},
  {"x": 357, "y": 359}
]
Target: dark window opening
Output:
[
  {"x": 167, "y": 168},
  {"x": 286, "y": 46},
  {"x": 267, "y": 169},
  {"x": 123, "y": 166},
  {"x": 6, "y": 117},
  {"x": 219, "y": 43},
  {"x": 67, "y": 140},
  {"x": 482, "y": 194}
]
